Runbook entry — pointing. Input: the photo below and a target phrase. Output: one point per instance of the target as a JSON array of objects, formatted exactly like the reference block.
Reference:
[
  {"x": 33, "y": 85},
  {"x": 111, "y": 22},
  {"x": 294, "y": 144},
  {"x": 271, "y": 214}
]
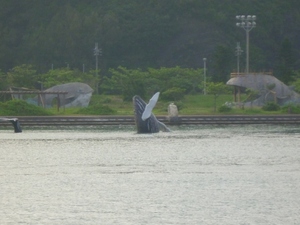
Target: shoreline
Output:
[{"x": 129, "y": 120}]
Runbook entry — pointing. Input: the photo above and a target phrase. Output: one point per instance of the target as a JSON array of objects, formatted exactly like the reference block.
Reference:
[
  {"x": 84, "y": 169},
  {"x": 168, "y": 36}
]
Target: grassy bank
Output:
[
  {"x": 114, "y": 105},
  {"x": 190, "y": 105}
]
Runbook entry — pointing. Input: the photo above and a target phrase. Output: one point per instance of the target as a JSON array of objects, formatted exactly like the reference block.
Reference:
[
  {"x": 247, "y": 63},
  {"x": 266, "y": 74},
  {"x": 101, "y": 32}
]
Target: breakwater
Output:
[{"x": 129, "y": 120}]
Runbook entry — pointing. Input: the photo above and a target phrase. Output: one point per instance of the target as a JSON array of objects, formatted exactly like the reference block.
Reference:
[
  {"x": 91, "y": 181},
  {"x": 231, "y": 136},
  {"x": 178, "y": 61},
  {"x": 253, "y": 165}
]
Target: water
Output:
[{"x": 194, "y": 175}]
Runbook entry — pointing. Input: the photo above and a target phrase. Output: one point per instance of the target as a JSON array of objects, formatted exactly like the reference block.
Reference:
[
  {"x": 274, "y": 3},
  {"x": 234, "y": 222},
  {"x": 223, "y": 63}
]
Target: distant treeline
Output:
[
  {"x": 141, "y": 34},
  {"x": 172, "y": 82}
]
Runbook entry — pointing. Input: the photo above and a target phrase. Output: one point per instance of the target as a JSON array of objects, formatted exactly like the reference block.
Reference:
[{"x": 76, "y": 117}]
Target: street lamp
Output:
[
  {"x": 204, "y": 89},
  {"x": 97, "y": 52},
  {"x": 247, "y": 23},
  {"x": 238, "y": 52}
]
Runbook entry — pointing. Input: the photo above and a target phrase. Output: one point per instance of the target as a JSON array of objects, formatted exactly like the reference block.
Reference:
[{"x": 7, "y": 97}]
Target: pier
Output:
[{"x": 129, "y": 120}]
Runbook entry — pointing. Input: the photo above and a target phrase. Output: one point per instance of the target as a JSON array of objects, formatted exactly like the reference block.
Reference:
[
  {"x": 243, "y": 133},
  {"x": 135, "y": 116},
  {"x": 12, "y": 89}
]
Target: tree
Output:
[
  {"x": 130, "y": 82},
  {"x": 23, "y": 76},
  {"x": 216, "y": 89},
  {"x": 173, "y": 94},
  {"x": 66, "y": 75},
  {"x": 3, "y": 81},
  {"x": 143, "y": 34},
  {"x": 183, "y": 78},
  {"x": 286, "y": 62},
  {"x": 127, "y": 82},
  {"x": 296, "y": 83}
]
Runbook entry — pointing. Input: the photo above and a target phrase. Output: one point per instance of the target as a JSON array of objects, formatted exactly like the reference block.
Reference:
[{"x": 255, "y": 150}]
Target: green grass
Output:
[
  {"x": 190, "y": 105},
  {"x": 21, "y": 108},
  {"x": 202, "y": 104},
  {"x": 114, "y": 105}
]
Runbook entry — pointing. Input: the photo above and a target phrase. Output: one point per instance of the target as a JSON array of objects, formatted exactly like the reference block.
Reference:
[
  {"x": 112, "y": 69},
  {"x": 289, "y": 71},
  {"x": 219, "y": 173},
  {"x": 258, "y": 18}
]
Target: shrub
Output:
[
  {"x": 271, "y": 106},
  {"x": 224, "y": 108},
  {"x": 21, "y": 108},
  {"x": 291, "y": 108},
  {"x": 173, "y": 94},
  {"x": 96, "y": 110},
  {"x": 179, "y": 104},
  {"x": 106, "y": 100}
]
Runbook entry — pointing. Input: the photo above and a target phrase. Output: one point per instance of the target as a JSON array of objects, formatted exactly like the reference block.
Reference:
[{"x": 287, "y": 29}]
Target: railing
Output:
[
  {"x": 129, "y": 120},
  {"x": 235, "y": 74}
]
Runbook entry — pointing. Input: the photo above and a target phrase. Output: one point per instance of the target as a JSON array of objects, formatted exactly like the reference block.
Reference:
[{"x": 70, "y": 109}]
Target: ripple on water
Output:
[{"x": 194, "y": 175}]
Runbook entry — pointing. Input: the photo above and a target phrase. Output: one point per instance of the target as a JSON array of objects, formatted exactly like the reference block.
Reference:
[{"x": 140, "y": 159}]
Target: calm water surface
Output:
[{"x": 194, "y": 175}]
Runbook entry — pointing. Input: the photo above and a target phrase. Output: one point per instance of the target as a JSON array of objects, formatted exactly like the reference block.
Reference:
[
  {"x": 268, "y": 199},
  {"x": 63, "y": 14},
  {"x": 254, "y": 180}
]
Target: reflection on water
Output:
[{"x": 111, "y": 175}]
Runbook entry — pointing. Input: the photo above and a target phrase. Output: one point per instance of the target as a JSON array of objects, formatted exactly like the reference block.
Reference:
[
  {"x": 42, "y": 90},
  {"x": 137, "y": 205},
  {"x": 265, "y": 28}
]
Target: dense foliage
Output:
[
  {"x": 291, "y": 108},
  {"x": 271, "y": 106},
  {"x": 21, "y": 108},
  {"x": 96, "y": 110},
  {"x": 224, "y": 109},
  {"x": 217, "y": 89},
  {"x": 148, "y": 34}
]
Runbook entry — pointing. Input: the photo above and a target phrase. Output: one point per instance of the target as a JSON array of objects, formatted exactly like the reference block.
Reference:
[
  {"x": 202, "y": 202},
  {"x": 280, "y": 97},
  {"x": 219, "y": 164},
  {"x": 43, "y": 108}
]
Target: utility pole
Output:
[
  {"x": 238, "y": 52},
  {"x": 97, "y": 52}
]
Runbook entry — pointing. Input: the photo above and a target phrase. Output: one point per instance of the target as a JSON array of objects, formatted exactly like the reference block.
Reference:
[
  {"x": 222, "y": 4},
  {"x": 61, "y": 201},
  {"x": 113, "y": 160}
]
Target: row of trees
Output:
[
  {"x": 173, "y": 83},
  {"x": 27, "y": 77}
]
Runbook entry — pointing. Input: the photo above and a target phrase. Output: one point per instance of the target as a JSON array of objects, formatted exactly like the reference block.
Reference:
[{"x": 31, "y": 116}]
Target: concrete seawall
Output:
[{"x": 129, "y": 120}]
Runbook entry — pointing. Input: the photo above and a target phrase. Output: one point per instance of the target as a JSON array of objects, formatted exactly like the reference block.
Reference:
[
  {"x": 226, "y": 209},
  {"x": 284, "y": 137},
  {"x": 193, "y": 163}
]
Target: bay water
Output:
[{"x": 111, "y": 175}]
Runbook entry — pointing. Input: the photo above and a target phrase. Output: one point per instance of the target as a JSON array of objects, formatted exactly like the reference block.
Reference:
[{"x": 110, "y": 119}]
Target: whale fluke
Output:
[
  {"x": 149, "y": 107},
  {"x": 145, "y": 120},
  {"x": 15, "y": 122},
  {"x": 163, "y": 127}
]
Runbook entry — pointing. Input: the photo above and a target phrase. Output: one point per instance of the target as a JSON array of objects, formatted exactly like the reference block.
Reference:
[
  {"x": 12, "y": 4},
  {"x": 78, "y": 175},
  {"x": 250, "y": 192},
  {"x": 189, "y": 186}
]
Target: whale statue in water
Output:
[
  {"x": 15, "y": 122},
  {"x": 145, "y": 120}
]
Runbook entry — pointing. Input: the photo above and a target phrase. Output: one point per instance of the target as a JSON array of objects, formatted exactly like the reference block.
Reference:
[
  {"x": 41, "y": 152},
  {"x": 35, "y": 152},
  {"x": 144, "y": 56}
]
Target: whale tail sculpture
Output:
[
  {"x": 15, "y": 122},
  {"x": 145, "y": 120}
]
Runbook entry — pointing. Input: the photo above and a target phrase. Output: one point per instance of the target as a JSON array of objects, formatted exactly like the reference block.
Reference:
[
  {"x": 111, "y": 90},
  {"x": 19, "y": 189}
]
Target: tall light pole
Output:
[
  {"x": 97, "y": 52},
  {"x": 204, "y": 80},
  {"x": 247, "y": 23},
  {"x": 238, "y": 52}
]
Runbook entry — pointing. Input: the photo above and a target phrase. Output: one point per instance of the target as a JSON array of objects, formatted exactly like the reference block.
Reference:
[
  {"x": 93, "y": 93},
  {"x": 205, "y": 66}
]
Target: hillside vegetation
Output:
[
  {"x": 148, "y": 33},
  {"x": 114, "y": 105},
  {"x": 144, "y": 46}
]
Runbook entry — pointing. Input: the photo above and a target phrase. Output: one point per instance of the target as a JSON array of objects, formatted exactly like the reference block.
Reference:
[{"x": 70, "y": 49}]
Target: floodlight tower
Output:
[{"x": 247, "y": 23}]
